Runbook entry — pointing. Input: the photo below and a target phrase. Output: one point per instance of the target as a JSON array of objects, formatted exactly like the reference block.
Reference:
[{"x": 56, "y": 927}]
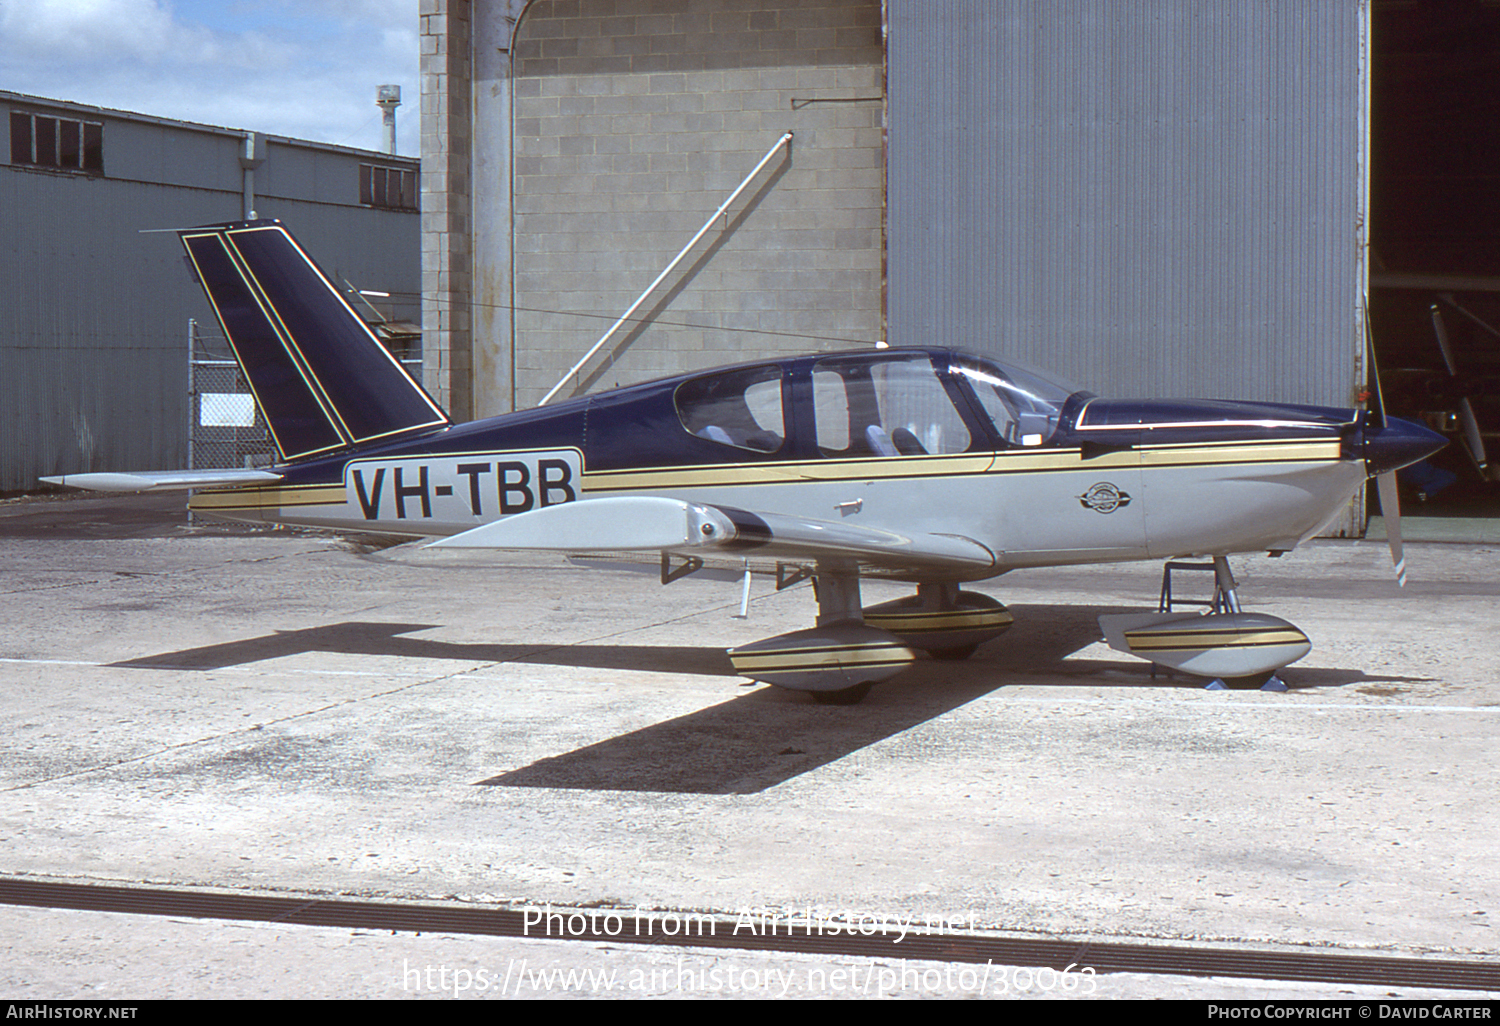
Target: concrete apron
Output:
[{"x": 283, "y": 712}]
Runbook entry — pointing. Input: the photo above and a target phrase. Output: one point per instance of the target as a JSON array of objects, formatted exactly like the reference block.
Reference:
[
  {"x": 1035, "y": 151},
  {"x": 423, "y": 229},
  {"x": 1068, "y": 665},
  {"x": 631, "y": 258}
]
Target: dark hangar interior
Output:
[{"x": 1435, "y": 233}]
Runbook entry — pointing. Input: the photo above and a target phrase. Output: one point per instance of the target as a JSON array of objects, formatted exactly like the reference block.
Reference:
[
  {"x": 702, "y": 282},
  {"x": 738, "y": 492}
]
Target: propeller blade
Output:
[
  {"x": 1472, "y": 436},
  {"x": 1390, "y": 509},
  {"x": 1372, "y": 373},
  {"x": 1441, "y": 330}
]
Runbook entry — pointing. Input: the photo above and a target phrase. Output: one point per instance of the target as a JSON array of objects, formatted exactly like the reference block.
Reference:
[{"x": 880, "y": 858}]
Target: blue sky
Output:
[{"x": 301, "y": 68}]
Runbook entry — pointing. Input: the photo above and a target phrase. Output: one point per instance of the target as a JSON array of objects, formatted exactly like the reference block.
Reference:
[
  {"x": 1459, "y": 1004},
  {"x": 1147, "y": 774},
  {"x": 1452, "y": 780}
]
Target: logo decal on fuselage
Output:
[
  {"x": 1104, "y": 498},
  {"x": 469, "y": 486}
]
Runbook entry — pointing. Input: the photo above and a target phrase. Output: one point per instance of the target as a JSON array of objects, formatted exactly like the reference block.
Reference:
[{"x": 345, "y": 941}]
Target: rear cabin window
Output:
[
  {"x": 741, "y": 409},
  {"x": 895, "y": 407}
]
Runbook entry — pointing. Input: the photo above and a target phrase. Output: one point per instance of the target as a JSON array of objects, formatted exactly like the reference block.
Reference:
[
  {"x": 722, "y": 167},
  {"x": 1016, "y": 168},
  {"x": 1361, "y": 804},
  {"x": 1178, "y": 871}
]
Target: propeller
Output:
[
  {"x": 1385, "y": 482},
  {"x": 1390, "y": 443},
  {"x": 1390, "y": 508},
  {"x": 1472, "y": 437}
]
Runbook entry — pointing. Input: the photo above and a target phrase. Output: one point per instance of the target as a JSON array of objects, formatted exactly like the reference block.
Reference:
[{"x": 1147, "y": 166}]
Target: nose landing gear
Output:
[{"x": 1225, "y": 644}]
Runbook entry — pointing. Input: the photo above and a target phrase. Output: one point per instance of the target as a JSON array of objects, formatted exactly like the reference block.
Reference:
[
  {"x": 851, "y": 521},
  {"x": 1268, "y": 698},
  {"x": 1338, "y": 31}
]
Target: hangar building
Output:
[
  {"x": 1160, "y": 198},
  {"x": 94, "y": 315}
]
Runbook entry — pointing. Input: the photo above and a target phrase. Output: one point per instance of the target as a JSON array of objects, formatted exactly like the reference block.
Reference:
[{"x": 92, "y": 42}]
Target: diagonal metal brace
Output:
[
  {"x": 690, "y": 565},
  {"x": 785, "y": 580}
]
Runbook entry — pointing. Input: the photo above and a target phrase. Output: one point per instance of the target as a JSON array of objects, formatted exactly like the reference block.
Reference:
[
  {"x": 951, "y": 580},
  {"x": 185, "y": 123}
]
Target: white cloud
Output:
[
  {"x": 305, "y": 69},
  {"x": 86, "y": 29},
  {"x": 399, "y": 42}
]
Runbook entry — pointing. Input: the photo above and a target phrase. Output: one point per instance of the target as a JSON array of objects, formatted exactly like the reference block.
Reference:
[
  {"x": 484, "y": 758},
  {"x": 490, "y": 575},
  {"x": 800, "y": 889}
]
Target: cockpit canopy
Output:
[
  {"x": 895, "y": 405},
  {"x": 895, "y": 402},
  {"x": 876, "y": 404}
]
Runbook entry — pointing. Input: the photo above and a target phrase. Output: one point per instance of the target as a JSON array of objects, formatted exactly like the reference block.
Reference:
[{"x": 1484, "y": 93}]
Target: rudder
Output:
[{"x": 322, "y": 379}]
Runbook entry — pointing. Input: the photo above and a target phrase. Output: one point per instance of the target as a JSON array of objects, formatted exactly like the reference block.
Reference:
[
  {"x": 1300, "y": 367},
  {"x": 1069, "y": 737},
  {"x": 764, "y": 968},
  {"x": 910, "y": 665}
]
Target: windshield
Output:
[{"x": 1023, "y": 404}]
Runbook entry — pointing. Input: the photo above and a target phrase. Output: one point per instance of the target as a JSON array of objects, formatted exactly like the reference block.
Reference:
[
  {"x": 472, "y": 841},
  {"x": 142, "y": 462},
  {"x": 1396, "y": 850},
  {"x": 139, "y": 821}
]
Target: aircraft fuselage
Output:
[
  {"x": 919, "y": 464},
  {"x": 1115, "y": 480}
]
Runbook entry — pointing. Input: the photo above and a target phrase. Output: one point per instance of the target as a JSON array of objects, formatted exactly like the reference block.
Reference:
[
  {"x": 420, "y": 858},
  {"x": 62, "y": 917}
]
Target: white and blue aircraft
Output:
[{"x": 923, "y": 465}]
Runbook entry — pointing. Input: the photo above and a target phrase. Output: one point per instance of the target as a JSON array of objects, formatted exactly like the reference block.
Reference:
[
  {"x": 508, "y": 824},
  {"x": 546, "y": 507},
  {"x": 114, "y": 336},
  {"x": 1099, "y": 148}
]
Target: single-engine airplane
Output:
[{"x": 923, "y": 465}]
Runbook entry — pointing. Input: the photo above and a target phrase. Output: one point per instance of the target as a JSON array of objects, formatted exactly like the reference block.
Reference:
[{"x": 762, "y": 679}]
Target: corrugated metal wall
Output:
[
  {"x": 93, "y": 314},
  {"x": 1153, "y": 197}
]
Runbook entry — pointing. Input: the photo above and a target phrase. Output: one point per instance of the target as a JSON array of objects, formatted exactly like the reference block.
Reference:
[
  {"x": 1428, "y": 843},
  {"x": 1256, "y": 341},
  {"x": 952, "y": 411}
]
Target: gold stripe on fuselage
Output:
[
  {"x": 800, "y": 472},
  {"x": 269, "y": 498},
  {"x": 1014, "y": 461},
  {"x": 1215, "y": 453}
]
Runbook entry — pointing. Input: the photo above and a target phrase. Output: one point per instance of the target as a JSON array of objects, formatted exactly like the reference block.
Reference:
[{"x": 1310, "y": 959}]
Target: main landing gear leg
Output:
[
  {"x": 942, "y": 620},
  {"x": 1228, "y": 595},
  {"x": 838, "y": 596},
  {"x": 838, "y": 602}
]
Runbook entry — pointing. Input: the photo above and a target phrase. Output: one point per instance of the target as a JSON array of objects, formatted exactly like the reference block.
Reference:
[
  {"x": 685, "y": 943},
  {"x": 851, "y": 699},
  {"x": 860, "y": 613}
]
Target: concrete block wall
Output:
[
  {"x": 446, "y": 228},
  {"x": 633, "y": 120}
]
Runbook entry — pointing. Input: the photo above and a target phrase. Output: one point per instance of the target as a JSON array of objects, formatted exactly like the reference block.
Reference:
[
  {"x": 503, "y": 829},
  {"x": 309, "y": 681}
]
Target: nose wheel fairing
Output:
[{"x": 1223, "y": 643}]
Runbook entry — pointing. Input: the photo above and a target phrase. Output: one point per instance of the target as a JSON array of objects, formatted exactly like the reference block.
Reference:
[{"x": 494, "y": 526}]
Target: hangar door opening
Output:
[{"x": 1435, "y": 240}]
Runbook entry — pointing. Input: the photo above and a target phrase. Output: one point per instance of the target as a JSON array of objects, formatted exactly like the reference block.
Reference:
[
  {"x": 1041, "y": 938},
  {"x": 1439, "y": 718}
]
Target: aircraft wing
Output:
[
  {"x": 654, "y": 523},
  {"x": 164, "y": 480}
]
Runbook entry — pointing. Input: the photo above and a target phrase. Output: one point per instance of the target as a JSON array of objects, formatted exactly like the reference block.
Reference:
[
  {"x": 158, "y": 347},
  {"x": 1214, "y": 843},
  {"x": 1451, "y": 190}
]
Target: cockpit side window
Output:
[
  {"x": 890, "y": 407},
  {"x": 741, "y": 408}
]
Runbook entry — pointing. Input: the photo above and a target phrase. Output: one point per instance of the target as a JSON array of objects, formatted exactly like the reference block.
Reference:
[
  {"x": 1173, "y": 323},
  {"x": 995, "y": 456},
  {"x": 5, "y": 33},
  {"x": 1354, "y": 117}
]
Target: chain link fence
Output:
[{"x": 227, "y": 428}]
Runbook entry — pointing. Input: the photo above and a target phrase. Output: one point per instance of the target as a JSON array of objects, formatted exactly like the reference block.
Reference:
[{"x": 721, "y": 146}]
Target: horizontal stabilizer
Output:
[
  {"x": 650, "y": 523},
  {"x": 164, "y": 480}
]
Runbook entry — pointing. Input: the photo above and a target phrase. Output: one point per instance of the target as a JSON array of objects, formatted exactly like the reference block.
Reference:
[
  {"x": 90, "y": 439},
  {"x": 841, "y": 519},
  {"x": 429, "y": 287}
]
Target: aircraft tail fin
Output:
[{"x": 321, "y": 377}]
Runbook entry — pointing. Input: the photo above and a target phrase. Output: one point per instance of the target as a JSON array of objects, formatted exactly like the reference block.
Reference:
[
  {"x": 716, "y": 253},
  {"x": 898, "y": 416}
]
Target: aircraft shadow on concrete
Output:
[{"x": 763, "y": 737}]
